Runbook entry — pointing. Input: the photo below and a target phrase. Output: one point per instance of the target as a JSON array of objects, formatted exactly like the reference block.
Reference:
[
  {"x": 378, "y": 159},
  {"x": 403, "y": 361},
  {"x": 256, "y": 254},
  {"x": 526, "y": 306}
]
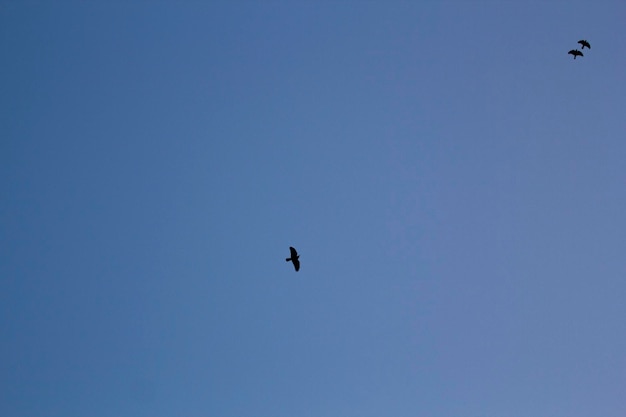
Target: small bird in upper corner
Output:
[
  {"x": 294, "y": 258},
  {"x": 575, "y": 52},
  {"x": 584, "y": 43}
]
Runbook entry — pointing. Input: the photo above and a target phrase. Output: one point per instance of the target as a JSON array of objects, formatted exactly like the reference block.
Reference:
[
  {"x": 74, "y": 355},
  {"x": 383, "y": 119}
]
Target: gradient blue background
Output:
[{"x": 454, "y": 181}]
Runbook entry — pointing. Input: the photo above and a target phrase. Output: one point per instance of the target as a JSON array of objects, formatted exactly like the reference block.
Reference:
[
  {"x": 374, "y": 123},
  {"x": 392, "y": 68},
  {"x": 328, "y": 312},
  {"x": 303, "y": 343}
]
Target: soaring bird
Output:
[
  {"x": 575, "y": 52},
  {"x": 294, "y": 258},
  {"x": 584, "y": 43}
]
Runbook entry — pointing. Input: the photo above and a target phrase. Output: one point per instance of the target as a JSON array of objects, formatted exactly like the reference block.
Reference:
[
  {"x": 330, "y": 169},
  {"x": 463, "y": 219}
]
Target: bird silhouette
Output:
[
  {"x": 294, "y": 258},
  {"x": 584, "y": 43},
  {"x": 576, "y": 53}
]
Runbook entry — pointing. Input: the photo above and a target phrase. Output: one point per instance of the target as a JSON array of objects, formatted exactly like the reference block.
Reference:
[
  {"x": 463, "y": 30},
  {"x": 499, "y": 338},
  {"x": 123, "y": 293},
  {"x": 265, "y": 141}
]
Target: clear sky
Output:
[{"x": 454, "y": 181}]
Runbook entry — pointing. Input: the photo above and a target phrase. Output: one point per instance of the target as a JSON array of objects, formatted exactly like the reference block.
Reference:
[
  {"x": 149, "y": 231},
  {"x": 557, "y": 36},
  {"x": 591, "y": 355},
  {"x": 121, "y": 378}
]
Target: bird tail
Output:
[{"x": 288, "y": 260}]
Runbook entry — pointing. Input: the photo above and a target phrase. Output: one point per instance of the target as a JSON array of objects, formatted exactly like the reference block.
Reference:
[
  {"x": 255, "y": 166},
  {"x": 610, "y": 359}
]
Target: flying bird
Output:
[
  {"x": 575, "y": 52},
  {"x": 584, "y": 43},
  {"x": 294, "y": 258}
]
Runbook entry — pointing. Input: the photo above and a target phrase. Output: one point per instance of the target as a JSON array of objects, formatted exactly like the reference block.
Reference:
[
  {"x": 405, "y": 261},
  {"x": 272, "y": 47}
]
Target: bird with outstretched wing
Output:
[
  {"x": 584, "y": 43},
  {"x": 575, "y": 52},
  {"x": 294, "y": 258}
]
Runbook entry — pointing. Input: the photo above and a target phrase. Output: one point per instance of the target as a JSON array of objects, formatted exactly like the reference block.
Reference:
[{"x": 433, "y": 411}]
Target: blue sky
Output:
[{"x": 453, "y": 180}]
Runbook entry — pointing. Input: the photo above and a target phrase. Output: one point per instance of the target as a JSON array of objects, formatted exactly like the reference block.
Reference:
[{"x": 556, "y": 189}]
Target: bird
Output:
[
  {"x": 294, "y": 258},
  {"x": 576, "y": 53},
  {"x": 584, "y": 43}
]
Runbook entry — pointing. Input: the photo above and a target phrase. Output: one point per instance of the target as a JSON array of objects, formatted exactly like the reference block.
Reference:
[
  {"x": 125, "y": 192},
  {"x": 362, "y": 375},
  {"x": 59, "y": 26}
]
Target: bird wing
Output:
[
  {"x": 573, "y": 52},
  {"x": 294, "y": 254},
  {"x": 296, "y": 263}
]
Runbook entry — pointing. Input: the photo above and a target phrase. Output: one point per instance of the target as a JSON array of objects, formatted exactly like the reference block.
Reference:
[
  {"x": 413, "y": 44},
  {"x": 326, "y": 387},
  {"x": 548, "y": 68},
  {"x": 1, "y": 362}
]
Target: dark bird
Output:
[
  {"x": 575, "y": 52},
  {"x": 584, "y": 43},
  {"x": 294, "y": 258}
]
